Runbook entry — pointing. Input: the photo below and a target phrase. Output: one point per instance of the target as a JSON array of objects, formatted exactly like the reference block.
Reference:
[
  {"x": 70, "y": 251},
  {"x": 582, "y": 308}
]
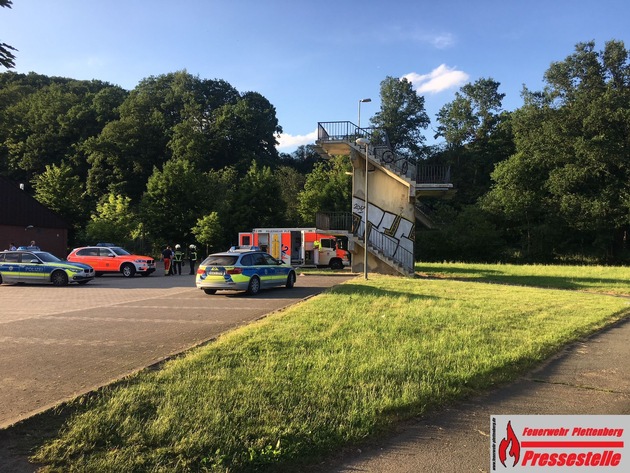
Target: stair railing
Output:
[{"x": 377, "y": 241}]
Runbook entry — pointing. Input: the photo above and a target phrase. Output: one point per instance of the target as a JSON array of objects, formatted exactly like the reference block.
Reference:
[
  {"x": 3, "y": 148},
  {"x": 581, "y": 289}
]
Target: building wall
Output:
[{"x": 53, "y": 240}]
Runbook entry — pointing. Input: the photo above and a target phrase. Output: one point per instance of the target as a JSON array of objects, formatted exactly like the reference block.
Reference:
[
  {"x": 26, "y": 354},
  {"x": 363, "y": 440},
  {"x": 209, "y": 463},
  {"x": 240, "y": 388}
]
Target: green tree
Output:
[
  {"x": 208, "y": 231},
  {"x": 113, "y": 220},
  {"x": 478, "y": 135},
  {"x": 256, "y": 201},
  {"x": 174, "y": 199},
  {"x": 291, "y": 183},
  {"x": 571, "y": 167},
  {"x": 59, "y": 189},
  {"x": 327, "y": 189},
  {"x": 46, "y": 120},
  {"x": 402, "y": 116},
  {"x": 473, "y": 114},
  {"x": 7, "y": 58},
  {"x": 245, "y": 131}
]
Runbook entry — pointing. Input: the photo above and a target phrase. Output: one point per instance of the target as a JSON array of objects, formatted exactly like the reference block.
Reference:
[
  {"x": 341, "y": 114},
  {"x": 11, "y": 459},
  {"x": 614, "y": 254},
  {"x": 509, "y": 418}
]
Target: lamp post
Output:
[
  {"x": 360, "y": 102},
  {"x": 364, "y": 141}
]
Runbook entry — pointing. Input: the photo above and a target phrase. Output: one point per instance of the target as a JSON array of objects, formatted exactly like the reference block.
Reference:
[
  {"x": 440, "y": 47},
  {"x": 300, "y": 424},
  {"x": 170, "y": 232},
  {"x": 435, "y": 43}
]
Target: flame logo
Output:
[{"x": 512, "y": 443}]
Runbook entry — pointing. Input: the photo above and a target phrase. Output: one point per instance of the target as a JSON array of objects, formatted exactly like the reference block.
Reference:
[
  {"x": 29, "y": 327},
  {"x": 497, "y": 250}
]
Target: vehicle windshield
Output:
[
  {"x": 220, "y": 260},
  {"x": 47, "y": 257},
  {"x": 119, "y": 251}
]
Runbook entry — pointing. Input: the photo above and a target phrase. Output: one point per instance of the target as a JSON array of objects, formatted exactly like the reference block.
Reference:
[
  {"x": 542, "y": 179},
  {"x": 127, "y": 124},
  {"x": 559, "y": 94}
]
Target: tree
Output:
[
  {"x": 245, "y": 131},
  {"x": 327, "y": 189},
  {"x": 59, "y": 189},
  {"x": 571, "y": 169},
  {"x": 473, "y": 114},
  {"x": 175, "y": 197},
  {"x": 303, "y": 159},
  {"x": 208, "y": 231},
  {"x": 290, "y": 183},
  {"x": 7, "y": 58},
  {"x": 256, "y": 201},
  {"x": 113, "y": 220},
  {"x": 402, "y": 116},
  {"x": 478, "y": 135}
]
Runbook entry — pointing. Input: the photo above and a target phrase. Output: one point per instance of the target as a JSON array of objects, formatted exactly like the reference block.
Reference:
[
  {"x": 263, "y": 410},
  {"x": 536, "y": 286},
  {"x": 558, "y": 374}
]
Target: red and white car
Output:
[{"x": 113, "y": 259}]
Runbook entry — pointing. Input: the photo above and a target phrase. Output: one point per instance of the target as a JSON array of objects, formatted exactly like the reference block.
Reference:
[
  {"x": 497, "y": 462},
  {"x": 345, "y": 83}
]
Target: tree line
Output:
[
  {"x": 184, "y": 159},
  {"x": 176, "y": 159}
]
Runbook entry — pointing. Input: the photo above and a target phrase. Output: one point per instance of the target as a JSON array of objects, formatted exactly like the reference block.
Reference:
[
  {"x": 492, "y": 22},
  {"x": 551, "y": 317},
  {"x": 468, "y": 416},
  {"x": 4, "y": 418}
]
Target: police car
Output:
[
  {"x": 33, "y": 266},
  {"x": 243, "y": 269}
]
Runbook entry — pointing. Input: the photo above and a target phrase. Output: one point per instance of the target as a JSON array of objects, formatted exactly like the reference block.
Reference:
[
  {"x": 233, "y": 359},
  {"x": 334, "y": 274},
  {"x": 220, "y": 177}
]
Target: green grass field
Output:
[
  {"x": 337, "y": 369},
  {"x": 602, "y": 279}
]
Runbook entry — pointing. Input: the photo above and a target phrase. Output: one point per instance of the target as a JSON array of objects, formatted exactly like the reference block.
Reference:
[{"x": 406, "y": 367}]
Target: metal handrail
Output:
[
  {"x": 382, "y": 152},
  {"x": 384, "y": 244},
  {"x": 433, "y": 173}
]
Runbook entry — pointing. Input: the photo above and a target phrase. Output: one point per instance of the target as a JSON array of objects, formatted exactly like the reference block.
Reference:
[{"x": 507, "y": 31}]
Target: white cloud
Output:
[
  {"x": 439, "y": 79},
  {"x": 394, "y": 34},
  {"x": 443, "y": 41},
  {"x": 288, "y": 142}
]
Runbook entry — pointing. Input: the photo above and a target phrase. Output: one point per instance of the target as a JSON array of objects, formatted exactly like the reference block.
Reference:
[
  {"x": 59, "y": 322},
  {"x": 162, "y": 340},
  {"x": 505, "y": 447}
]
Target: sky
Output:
[{"x": 313, "y": 60}]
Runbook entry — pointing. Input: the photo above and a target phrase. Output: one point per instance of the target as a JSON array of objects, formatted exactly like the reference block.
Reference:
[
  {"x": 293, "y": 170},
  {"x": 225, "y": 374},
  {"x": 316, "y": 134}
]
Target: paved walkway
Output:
[{"x": 589, "y": 377}]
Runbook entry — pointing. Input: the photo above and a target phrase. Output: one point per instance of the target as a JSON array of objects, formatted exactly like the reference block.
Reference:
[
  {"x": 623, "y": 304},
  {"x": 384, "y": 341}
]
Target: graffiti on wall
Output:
[{"x": 399, "y": 232}]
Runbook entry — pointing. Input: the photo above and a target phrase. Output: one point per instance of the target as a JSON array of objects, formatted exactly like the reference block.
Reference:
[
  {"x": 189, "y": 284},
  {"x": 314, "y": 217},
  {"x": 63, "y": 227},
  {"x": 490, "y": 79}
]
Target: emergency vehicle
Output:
[{"x": 300, "y": 246}]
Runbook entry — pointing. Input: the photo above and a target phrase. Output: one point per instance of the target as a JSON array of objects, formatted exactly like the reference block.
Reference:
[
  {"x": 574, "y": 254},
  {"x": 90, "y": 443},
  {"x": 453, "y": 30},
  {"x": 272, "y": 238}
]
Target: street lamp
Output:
[
  {"x": 360, "y": 102},
  {"x": 364, "y": 141}
]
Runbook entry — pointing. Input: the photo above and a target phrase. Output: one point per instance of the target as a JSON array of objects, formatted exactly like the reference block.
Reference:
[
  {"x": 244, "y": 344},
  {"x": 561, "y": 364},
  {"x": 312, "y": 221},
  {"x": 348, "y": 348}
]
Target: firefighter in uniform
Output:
[
  {"x": 177, "y": 260},
  {"x": 192, "y": 258}
]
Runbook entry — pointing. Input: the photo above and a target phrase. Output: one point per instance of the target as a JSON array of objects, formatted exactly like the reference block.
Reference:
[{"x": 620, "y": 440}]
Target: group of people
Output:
[
  {"x": 32, "y": 247},
  {"x": 173, "y": 259}
]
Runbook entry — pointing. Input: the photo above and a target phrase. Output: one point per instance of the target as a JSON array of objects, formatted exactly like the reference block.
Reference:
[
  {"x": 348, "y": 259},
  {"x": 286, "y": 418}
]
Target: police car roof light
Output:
[{"x": 244, "y": 247}]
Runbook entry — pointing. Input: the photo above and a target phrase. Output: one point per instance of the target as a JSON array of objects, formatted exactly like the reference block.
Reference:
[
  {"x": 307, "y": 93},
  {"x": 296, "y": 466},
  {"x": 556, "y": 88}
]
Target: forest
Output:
[{"x": 182, "y": 159}]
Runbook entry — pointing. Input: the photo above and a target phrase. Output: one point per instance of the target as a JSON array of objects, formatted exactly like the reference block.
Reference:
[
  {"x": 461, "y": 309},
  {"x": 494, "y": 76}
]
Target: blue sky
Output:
[{"x": 313, "y": 60}]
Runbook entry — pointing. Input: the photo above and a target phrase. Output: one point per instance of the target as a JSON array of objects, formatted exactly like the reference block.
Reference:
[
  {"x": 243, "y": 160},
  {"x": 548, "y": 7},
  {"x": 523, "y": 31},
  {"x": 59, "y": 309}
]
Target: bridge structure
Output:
[{"x": 395, "y": 187}]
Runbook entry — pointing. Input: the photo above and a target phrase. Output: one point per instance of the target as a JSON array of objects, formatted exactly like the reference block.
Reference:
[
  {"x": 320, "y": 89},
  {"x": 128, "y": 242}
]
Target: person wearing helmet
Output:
[
  {"x": 178, "y": 256},
  {"x": 192, "y": 258}
]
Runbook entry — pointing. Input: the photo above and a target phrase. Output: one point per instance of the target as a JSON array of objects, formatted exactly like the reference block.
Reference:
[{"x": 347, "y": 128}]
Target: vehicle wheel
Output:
[
  {"x": 290, "y": 280},
  {"x": 0, "y": 279},
  {"x": 336, "y": 263},
  {"x": 254, "y": 286},
  {"x": 210, "y": 291},
  {"x": 83, "y": 283},
  {"x": 128, "y": 270},
  {"x": 59, "y": 278}
]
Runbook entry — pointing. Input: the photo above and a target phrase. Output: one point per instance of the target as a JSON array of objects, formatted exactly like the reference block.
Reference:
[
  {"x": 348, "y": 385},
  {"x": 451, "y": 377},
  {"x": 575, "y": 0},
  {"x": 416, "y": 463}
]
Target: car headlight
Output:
[{"x": 140, "y": 261}]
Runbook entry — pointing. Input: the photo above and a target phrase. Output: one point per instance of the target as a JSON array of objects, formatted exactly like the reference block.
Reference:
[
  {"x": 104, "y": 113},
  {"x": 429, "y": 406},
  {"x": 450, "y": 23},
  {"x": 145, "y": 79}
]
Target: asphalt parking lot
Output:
[{"x": 59, "y": 342}]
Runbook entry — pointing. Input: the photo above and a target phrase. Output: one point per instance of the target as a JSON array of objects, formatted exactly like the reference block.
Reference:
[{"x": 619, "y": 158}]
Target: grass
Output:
[
  {"x": 600, "y": 279},
  {"x": 331, "y": 371}
]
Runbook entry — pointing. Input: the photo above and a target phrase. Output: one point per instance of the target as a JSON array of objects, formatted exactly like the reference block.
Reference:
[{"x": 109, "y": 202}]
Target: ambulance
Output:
[{"x": 304, "y": 247}]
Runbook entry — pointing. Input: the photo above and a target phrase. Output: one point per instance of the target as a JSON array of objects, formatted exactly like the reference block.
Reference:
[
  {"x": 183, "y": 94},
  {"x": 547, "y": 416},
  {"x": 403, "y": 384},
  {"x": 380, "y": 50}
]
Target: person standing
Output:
[
  {"x": 167, "y": 255},
  {"x": 178, "y": 256},
  {"x": 192, "y": 257}
]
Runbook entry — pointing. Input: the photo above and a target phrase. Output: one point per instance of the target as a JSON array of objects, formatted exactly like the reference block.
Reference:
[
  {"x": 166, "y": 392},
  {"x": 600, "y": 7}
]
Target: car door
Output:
[
  {"x": 10, "y": 267},
  {"x": 278, "y": 276},
  {"x": 107, "y": 259},
  {"x": 89, "y": 256},
  {"x": 263, "y": 271},
  {"x": 32, "y": 269}
]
